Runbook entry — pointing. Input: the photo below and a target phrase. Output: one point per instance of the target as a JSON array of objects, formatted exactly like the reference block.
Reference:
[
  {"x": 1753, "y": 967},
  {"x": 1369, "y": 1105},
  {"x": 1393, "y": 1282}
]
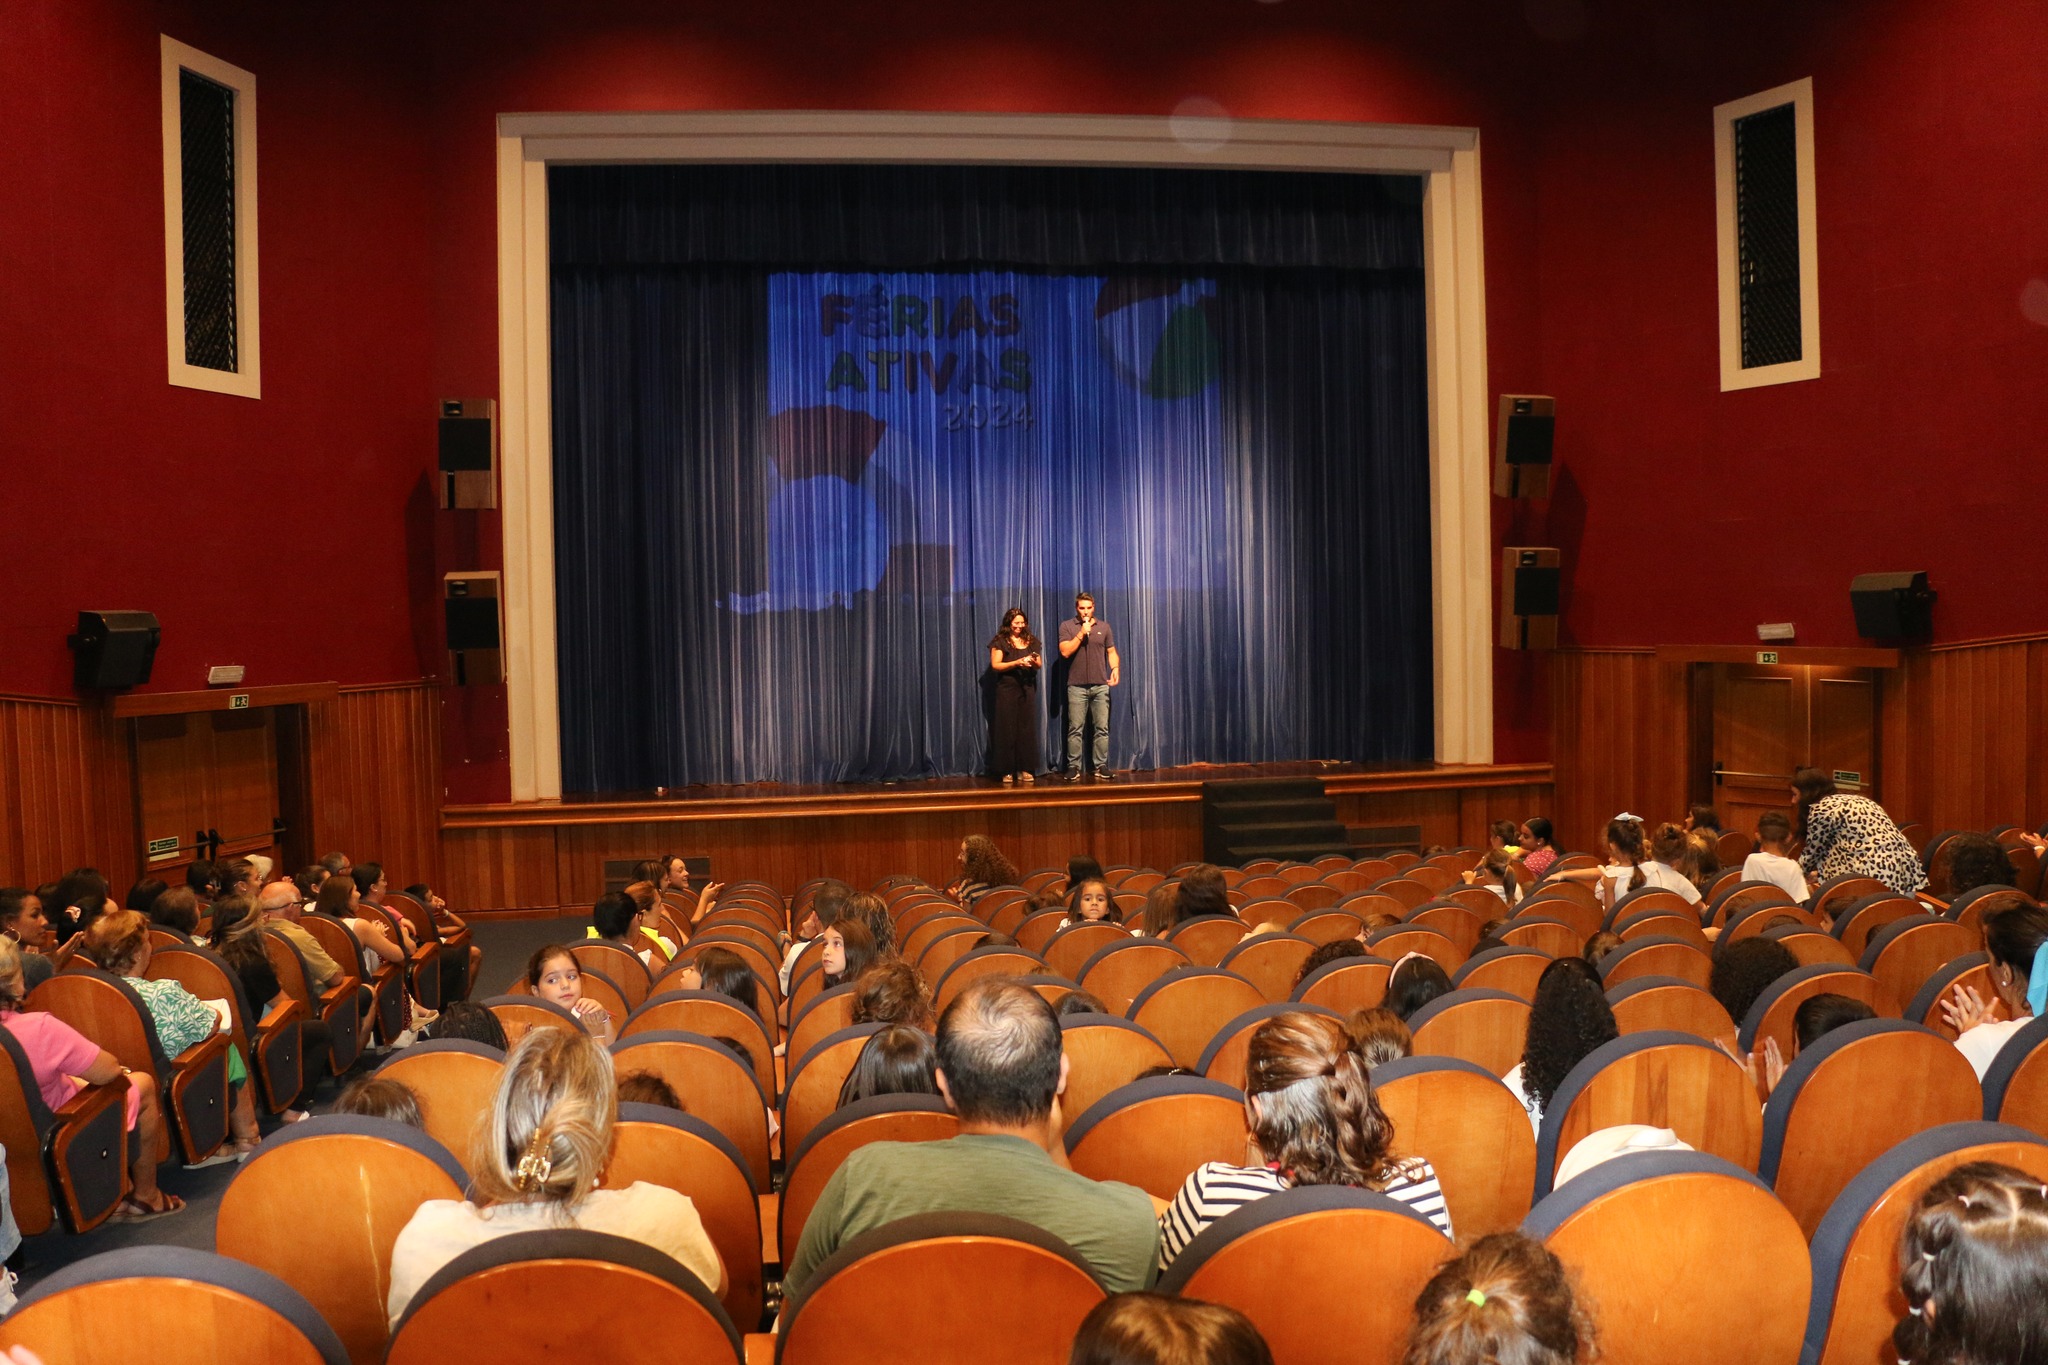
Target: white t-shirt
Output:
[
  {"x": 1769, "y": 867},
  {"x": 1513, "y": 1081},
  {"x": 1981, "y": 1044},
  {"x": 443, "y": 1229},
  {"x": 1654, "y": 874}
]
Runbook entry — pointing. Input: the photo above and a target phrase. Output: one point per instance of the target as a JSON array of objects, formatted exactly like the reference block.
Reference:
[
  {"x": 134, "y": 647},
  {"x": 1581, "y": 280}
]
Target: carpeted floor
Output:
[{"x": 506, "y": 944}]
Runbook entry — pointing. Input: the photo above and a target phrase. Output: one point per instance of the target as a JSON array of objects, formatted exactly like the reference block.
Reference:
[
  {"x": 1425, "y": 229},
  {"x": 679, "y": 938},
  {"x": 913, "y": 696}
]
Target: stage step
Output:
[{"x": 1288, "y": 818}]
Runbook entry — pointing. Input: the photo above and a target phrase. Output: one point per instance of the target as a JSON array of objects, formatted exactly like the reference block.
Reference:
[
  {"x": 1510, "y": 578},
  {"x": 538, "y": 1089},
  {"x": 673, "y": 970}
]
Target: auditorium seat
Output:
[
  {"x": 1454, "y": 922},
  {"x": 1002, "y": 899},
  {"x": 561, "y": 1294},
  {"x": 1186, "y": 1007},
  {"x": 1573, "y": 902},
  {"x": 69, "y": 1163},
  {"x": 517, "y": 1014},
  {"x": 812, "y": 1162},
  {"x": 1480, "y": 900},
  {"x": 1397, "y": 940},
  {"x": 1299, "y": 874},
  {"x": 948, "y": 948},
  {"x": 1972, "y": 970},
  {"x": 276, "y": 1060},
  {"x": 1685, "y": 1256},
  {"x": 321, "y": 1203},
  {"x": 716, "y": 1086},
  {"x": 1270, "y": 962},
  {"x": 621, "y": 966},
  {"x": 1296, "y": 1264},
  {"x": 1772, "y": 1014},
  {"x": 1856, "y": 1299},
  {"x": 1274, "y": 910},
  {"x": 1153, "y": 1133},
  {"x": 1544, "y": 932},
  {"x": 1223, "y": 1059},
  {"x": 1474, "y": 1131},
  {"x": 387, "y": 986},
  {"x": 1035, "y": 931},
  {"x": 816, "y": 1078},
  {"x": 1647, "y": 1003},
  {"x": 1731, "y": 898},
  {"x": 997, "y": 961},
  {"x": 764, "y": 963},
  {"x": 1206, "y": 939},
  {"x": 1347, "y": 984},
  {"x": 2016, "y": 1085},
  {"x": 1103, "y": 1052},
  {"x": 1514, "y": 970},
  {"x": 1971, "y": 906},
  {"x": 1648, "y": 898},
  {"x": 335, "y": 1007},
  {"x": 1328, "y": 926},
  {"x": 667, "y": 1147},
  {"x": 918, "y": 1289},
  {"x": 825, "y": 1012},
  {"x": 1484, "y": 1027},
  {"x": 597, "y": 986},
  {"x": 193, "y": 1085},
  {"x": 1810, "y": 945},
  {"x": 1733, "y": 847},
  {"x": 1861, "y": 918},
  {"x": 1262, "y": 883},
  {"x": 914, "y": 939},
  {"x": 1116, "y": 972},
  {"x": 456, "y": 1082},
  {"x": 1044, "y": 879},
  {"x": 1835, "y": 894},
  {"x": 1859, "y": 1091},
  {"x": 1664, "y": 1079},
  {"x": 1904, "y": 953},
  {"x": 172, "y": 1305},
  {"x": 1657, "y": 956},
  {"x": 1069, "y": 949},
  {"x": 1347, "y": 880},
  {"x": 714, "y": 1016},
  {"x": 1316, "y": 895},
  {"x": 1662, "y": 924}
]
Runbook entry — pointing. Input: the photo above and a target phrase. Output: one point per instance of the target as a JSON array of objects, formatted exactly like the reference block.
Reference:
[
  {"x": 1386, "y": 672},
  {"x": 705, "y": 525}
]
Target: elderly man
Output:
[{"x": 1002, "y": 1071}]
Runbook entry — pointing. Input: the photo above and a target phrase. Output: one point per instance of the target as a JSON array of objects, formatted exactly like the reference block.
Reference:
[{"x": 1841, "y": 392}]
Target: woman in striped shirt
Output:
[{"x": 1313, "y": 1121}]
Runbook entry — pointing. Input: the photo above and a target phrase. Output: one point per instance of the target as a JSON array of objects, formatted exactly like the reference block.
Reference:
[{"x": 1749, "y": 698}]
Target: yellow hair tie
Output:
[{"x": 1474, "y": 1296}]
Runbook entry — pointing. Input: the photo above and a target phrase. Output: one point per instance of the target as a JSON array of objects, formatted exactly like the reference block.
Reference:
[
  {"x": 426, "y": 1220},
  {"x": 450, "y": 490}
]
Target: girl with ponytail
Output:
[
  {"x": 538, "y": 1158},
  {"x": 1630, "y": 866},
  {"x": 1311, "y": 1120},
  {"x": 1506, "y": 1301},
  {"x": 1973, "y": 1269}
]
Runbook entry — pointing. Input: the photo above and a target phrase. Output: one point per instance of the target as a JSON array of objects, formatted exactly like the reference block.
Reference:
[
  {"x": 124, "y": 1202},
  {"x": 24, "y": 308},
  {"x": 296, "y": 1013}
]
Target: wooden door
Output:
[
  {"x": 1768, "y": 721},
  {"x": 202, "y": 772}
]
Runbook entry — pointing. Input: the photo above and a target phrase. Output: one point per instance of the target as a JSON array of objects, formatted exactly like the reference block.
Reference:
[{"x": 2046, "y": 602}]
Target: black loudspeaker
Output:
[
  {"x": 1892, "y": 606},
  {"x": 115, "y": 649},
  {"x": 475, "y": 631},
  {"x": 1522, "y": 434},
  {"x": 469, "y": 452},
  {"x": 1530, "y": 577}
]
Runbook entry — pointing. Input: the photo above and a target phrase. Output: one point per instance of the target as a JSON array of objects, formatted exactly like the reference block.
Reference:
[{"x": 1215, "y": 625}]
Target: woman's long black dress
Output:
[{"x": 1013, "y": 745}]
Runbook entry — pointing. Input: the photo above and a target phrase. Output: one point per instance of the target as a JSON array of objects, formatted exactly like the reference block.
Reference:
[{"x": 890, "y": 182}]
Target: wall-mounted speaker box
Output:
[
  {"x": 1522, "y": 434},
  {"x": 470, "y": 604},
  {"x": 114, "y": 649},
  {"x": 469, "y": 452},
  {"x": 1892, "y": 606},
  {"x": 1529, "y": 581}
]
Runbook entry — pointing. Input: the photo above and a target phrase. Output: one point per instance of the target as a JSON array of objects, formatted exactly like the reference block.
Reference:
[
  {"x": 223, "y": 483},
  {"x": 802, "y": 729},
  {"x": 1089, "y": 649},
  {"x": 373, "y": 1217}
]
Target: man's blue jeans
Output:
[{"x": 1090, "y": 705}]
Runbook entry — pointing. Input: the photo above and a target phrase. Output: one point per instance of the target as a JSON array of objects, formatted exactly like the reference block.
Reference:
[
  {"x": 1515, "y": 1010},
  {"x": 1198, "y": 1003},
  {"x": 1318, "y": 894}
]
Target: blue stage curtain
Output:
[{"x": 1261, "y": 544}]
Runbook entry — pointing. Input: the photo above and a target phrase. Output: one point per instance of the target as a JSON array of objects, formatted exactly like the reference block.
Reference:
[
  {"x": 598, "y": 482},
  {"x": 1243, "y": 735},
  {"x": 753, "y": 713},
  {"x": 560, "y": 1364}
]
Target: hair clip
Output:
[
  {"x": 1927, "y": 1256},
  {"x": 1631, "y": 819},
  {"x": 1475, "y": 1296},
  {"x": 534, "y": 1167}
]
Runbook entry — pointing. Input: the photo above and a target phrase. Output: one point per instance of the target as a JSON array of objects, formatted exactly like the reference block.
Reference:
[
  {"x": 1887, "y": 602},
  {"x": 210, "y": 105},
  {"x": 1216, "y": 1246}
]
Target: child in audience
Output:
[
  {"x": 552, "y": 974},
  {"x": 1599, "y": 944},
  {"x": 873, "y": 911},
  {"x": 1155, "y": 1329},
  {"x": 831, "y": 900},
  {"x": 1494, "y": 873},
  {"x": 1503, "y": 837},
  {"x": 379, "y": 1097},
  {"x": 1202, "y": 892},
  {"x": 1078, "y": 1002},
  {"x": 469, "y": 1020},
  {"x": 2016, "y": 941},
  {"x": 1379, "y": 1035},
  {"x": 1538, "y": 853},
  {"x": 536, "y": 1165},
  {"x": 899, "y": 1060},
  {"x": 644, "y": 1087},
  {"x": 983, "y": 868},
  {"x": 1415, "y": 981},
  {"x": 1091, "y": 903},
  {"x": 1568, "y": 1019},
  {"x": 1974, "y": 1270},
  {"x": 722, "y": 972},
  {"x": 893, "y": 993},
  {"x": 1815, "y": 1019},
  {"x": 1313, "y": 1120},
  {"x": 1743, "y": 971},
  {"x": 1506, "y": 1300},
  {"x": 1491, "y": 936},
  {"x": 618, "y": 918},
  {"x": 1162, "y": 909},
  {"x": 1769, "y": 863},
  {"x": 1323, "y": 954},
  {"x": 1629, "y": 865},
  {"x": 1681, "y": 864},
  {"x": 849, "y": 951}
]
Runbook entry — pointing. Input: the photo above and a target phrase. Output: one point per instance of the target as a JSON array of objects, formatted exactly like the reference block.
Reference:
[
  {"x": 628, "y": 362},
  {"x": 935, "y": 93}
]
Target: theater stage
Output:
[{"x": 538, "y": 858}]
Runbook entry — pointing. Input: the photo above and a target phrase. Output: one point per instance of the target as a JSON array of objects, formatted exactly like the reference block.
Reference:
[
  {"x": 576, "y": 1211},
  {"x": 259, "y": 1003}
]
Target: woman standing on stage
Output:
[{"x": 1014, "y": 654}]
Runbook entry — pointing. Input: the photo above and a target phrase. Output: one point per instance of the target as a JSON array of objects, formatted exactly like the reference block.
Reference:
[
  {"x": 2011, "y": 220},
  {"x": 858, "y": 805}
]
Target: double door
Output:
[
  {"x": 1770, "y": 720},
  {"x": 207, "y": 787}
]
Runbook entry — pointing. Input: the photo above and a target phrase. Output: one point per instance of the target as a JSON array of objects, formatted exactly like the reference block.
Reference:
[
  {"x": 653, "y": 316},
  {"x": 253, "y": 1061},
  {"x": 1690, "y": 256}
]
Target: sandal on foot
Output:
[{"x": 133, "y": 1210}]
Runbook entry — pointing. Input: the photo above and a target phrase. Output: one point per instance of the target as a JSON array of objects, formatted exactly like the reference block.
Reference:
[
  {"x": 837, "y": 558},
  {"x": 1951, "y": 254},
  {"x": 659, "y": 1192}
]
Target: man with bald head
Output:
[
  {"x": 1001, "y": 1070},
  {"x": 282, "y": 905}
]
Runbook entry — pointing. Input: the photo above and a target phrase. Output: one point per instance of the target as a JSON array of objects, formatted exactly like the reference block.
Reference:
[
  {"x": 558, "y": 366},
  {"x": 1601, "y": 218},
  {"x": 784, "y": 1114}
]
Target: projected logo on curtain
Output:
[{"x": 938, "y": 434}]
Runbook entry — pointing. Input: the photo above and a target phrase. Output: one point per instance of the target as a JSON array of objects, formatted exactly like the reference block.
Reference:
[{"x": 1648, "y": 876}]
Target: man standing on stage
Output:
[{"x": 1093, "y": 668}]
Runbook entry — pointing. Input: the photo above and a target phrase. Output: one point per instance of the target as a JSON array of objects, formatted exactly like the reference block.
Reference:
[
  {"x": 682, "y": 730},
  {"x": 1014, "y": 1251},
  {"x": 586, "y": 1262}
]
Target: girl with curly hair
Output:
[
  {"x": 1570, "y": 1017},
  {"x": 983, "y": 868}
]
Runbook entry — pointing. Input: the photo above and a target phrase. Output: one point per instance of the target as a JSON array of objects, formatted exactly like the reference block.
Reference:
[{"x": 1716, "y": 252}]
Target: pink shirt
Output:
[{"x": 58, "y": 1054}]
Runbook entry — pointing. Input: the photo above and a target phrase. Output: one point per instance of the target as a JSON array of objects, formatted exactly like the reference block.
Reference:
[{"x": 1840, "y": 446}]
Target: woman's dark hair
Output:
[
  {"x": 204, "y": 877},
  {"x": 1627, "y": 838},
  {"x": 1202, "y": 892},
  {"x": 1744, "y": 971},
  {"x": 1316, "y": 1118},
  {"x": 1081, "y": 866},
  {"x": 891, "y": 992},
  {"x": 986, "y": 863},
  {"x": 1413, "y": 984},
  {"x": 467, "y": 1019},
  {"x": 860, "y": 950},
  {"x": 1325, "y": 953},
  {"x": 899, "y": 1060},
  {"x": 873, "y": 911},
  {"x": 367, "y": 875},
  {"x": 1002, "y": 635},
  {"x": 1820, "y": 1015},
  {"x": 648, "y": 870},
  {"x": 2012, "y": 936},
  {"x": 1568, "y": 1019},
  {"x": 1973, "y": 1269},
  {"x": 1490, "y": 935},
  {"x": 613, "y": 915},
  {"x": 1705, "y": 817},
  {"x": 1162, "y": 908},
  {"x": 1812, "y": 785},
  {"x": 1539, "y": 829},
  {"x": 1976, "y": 860},
  {"x": 177, "y": 908},
  {"x": 727, "y": 973},
  {"x": 1078, "y": 1002},
  {"x": 143, "y": 894},
  {"x": 1156, "y": 1329},
  {"x": 1506, "y": 1301},
  {"x": 83, "y": 893},
  {"x": 1379, "y": 1035}
]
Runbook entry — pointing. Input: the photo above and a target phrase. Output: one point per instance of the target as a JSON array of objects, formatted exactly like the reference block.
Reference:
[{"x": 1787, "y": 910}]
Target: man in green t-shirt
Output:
[{"x": 1002, "y": 1071}]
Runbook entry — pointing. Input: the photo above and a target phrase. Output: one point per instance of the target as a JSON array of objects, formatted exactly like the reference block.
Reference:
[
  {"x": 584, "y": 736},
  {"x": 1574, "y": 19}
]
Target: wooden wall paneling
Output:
[
  {"x": 505, "y": 868},
  {"x": 2036, "y": 735},
  {"x": 1619, "y": 738},
  {"x": 376, "y": 760},
  {"x": 1977, "y": 728},
  {"x": 67, "y": 792}
]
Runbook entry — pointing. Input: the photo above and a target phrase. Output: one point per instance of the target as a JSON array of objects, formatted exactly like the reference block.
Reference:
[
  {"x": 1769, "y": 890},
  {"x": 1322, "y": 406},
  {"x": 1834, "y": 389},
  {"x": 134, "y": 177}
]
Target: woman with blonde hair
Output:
[
  {"x": 1312, "y": 1120},
  {"x": 537, "y": 1160}
]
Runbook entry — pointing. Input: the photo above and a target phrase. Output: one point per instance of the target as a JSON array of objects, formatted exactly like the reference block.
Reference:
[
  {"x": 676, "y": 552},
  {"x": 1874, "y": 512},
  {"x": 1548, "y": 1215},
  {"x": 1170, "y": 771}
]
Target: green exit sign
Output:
[
  {"x": 166, "y": 847},
  {"x": 1767, "y": 656}
]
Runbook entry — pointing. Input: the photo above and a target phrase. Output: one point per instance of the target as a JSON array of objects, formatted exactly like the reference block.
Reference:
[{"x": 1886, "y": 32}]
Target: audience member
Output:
[
  {"x": 828, "y": 903},
  {"x": 1743, "y": 971},
  {"x": 1678, "y": 863},
  {"x": 468, "y": 1020},
  {"x": 536, "y": 1165},
  {"x": 723, "y": 972},
  {"x": 282, "y": 906},
  {"x": 1415, "y": 981},
  {"x": 80, "y": 898},
  {"x": 1313, "y": 1120},
  {"x": 1078, "y": 1002},
  {"x": 1702, "y": 819},
  {"x": 1202, "y": 892},
  {"x": 983, "y": 868},
  {"x": 1496, "y": 873},
  {"x": 1162, "y": 909},
  {"x": 899, "y": 1060},
  {"x": 380, "y": 1097},
  {"x": 553, "y": 976},
  {"x": 892, "y": 992},
  {"x": 203, "y": 879},
  {"x": 1090, "y": 903},
  {"x": 143, "y": 894},
  {"x": 1617, "y": 1140},
  {"x": 644, "y": 1087},
  {"x": 1567, "y": 1020},
  {"x": 1506, "y": 1301},
  {"x": 236, "y": 936},
  {"x": 1379, "y": 1035},
  {"x": 1539, "y": 855},
  {"x": 177, "y": 909},
  {"x": 1155, "y": 1329},
  {"x": 1323, "y": 954},
  {"x": 873, "y": 911},
  {"x": 1629, "y": 865},
  {"x": 660, "y": 949},
  {"x": 337, "y": 865},
  {"x": 849, "y": 951},
  {"x": 1502, "y": 836},
  {"x": 1081, "y": 867},
  {"x": 1599, "y": 944},
  {"x": 308, "y": 880},
  {"x": 1974, "y": 1270},
  {"x": 1820, "y": 1015},
  {"x": 1850, "y": 836},
  {"x": 2016, "y": 941},
  {"x": 238, "y": 878},
  {"x": 1492, "y": 934},
  {"x": 23, "y": 923},
  {"x": 616, "y": 918},
  {"x": 1002, "y": 1071},
  {"x": 1976, "y": 860},
  {"x": 1769, "y": 863}
]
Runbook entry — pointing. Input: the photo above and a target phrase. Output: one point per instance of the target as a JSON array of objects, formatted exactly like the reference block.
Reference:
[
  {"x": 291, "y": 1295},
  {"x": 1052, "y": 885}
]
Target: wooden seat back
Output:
[
  {"x": 1224, "y": 1058},
  {"x": 1328, "y": 926},
  {"x": 1154, "y": 1133},
  {"x": 1648, "y": 898},
  {"x": 1472, "y": 1129},
  {"x": 621, "y": 966},
  {"x": 929, "y": 930},
  {"x": 964, "y": 972},
  {"x": 812, "y": 1163},
  {"x": 1349, "y": 983},
  {"x": 1771, "y": 1016},
  {"x": 1207, "y": 938},
  {"x": 1971, "y": 971},
  {"x": 1663, "y": 924},
  {"x": 1185, "y": 1008},
  {"x": 1484, "y": 1027},
  {"x": 1865, "y": 917},
  {"x": 456, "y": 1082},
  {"x": 1396, "y": 941},
  {"x": 1316, "y": 895},
  {"x": 714, "y": 1016},
  {"x": 1648, "y": 1004},
  {"x": 1270, "y": 962},
  {"x": 1103, "y": 1052},
  {"x": 716, "y": 1086},
  {"x": 1906, "y": 952},
  {"x": 1456, "y": 923},
  {"x": 2016, "y": 1085},
  {"x": 670, "y": 1148},
  {"x": 1117, "y": 972},
  {"x": 69, "y": 1163},
  {"x": 1035, "y": 931},
  {"x": 1657, "y": 956},
  {"x": 826, "y": 1014},
  {"x": 520, "y": 1014},
  {"x": 1662, "y": 1079},
  {"x": 1545, "y": 933},
  {"x": 1068, "y": 950},
  {"x": 817, "y": 1077},
  {"x": 1514, "y": 970},
  {"x": 1407, "y": 890}
]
